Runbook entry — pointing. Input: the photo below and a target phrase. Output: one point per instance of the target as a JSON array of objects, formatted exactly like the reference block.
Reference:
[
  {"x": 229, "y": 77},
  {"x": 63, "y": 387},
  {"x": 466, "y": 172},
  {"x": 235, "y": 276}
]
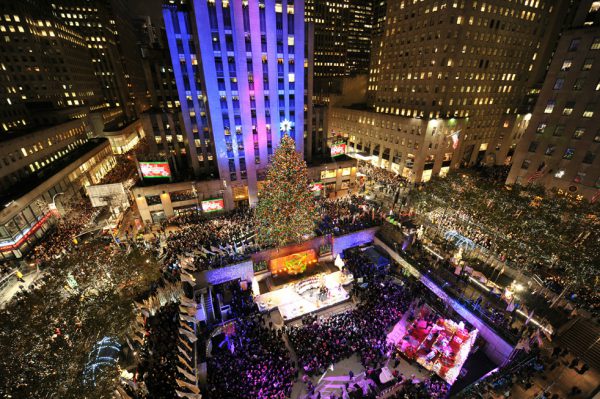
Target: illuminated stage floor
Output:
[{"x": 302, "y": 297}]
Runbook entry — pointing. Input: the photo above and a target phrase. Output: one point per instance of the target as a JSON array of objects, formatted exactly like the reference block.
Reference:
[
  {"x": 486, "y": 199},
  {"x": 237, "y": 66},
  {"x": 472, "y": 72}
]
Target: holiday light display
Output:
[{"x": 286, "y": 209}]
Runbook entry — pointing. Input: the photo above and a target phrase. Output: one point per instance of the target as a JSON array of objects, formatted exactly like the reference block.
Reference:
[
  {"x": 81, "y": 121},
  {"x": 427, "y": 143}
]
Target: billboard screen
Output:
[
  {"x": 316, "y": 188},
  {"x": 213, "y": 205},
  {"x": 154, "y": 170},
  {"x": 338, "y": 149}
]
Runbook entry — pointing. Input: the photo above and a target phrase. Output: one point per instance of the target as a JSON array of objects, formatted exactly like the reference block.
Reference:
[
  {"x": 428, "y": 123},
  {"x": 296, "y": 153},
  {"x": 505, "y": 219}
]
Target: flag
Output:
[
  {"x": 184, "y": 353},
  {"x": 455, "y": 137},
  {"x": 187, "y": 318},
  {"x": 188, "y": 395},
  {"x": 187, "y": 375},
  {"x": 540, "y": 172},
  {"x": 185, "y": 325},
  {"x": 190, "y": 336},
  {"x": 595, "y": 197},
  {"x": 184, "y": 362},
  {"x": 187, "y": 385},
  {"x": 182, "y": 342}
]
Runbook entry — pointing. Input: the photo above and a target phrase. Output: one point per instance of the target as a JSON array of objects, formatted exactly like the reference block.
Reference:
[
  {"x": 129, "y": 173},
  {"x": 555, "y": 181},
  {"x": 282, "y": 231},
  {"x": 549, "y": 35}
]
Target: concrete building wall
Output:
[
  {"x": 415, "y": 148},
  {"x": 561, "y": 144}
]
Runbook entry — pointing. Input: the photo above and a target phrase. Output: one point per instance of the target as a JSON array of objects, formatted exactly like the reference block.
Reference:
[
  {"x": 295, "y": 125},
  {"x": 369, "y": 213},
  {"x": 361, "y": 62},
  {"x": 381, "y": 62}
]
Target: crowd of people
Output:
[
  {"x": 345, "y": 215},
  {"x": 157, "y": 370},
  {"x": 213, "y": 242},
  {"x": 254, "y": 362},
  {"x": 323, "y": 342},
  {"x": 380, "y": 176}
]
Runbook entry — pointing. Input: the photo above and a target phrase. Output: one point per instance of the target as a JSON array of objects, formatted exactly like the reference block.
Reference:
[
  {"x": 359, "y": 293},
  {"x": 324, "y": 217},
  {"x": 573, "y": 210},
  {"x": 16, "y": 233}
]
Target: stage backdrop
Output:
[
  {"x": 243, "y": 271},
  {"x": 353, "y": 239}
]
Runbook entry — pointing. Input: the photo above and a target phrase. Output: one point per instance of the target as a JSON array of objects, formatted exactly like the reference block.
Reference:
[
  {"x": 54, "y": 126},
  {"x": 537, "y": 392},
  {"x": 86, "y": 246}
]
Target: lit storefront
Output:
[{"x": 25, "y": 220}]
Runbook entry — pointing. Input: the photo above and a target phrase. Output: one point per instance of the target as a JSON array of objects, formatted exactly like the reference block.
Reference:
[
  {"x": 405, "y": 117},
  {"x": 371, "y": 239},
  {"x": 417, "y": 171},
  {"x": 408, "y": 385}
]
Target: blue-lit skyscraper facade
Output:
[{"x": 239, "y": 68}]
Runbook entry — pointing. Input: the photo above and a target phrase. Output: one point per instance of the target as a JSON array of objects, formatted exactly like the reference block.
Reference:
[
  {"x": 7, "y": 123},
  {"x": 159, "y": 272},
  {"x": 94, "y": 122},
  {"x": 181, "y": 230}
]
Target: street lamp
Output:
[{"x": 52, "y": 205}]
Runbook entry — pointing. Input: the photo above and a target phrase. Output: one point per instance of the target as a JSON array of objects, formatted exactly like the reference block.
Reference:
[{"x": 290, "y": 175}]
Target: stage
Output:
[
  {"x": 307, "y": 295},
  {"x": 439, "y": 345}
]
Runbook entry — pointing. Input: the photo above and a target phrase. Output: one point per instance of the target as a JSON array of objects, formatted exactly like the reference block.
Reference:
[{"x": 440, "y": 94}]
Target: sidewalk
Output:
[{"x": 14, "y": 287}]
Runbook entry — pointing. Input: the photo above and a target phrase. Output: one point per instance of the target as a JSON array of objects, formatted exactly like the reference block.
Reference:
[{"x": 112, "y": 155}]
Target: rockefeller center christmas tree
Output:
[{"x": 286, "y": 208}]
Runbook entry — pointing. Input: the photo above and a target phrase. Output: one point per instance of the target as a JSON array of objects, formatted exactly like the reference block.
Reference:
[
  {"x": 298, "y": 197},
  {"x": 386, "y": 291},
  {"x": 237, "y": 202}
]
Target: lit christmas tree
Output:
[{"x": 286, "y": 209}]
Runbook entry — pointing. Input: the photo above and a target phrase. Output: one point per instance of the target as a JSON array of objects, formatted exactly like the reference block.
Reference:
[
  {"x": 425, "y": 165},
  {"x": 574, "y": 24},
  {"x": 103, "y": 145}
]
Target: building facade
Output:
[
  {"x": 415, "y": 148},
  {"x": 468, "y": 60},
  {"x": 240, "y": 73},
  {"x": 27, "y": 214},
  {"x": 45, "y": 70},
  {"x": 109, "y": 35},
  {"x": 561, "y": 145},
  {"x": 342, "y": 40}
]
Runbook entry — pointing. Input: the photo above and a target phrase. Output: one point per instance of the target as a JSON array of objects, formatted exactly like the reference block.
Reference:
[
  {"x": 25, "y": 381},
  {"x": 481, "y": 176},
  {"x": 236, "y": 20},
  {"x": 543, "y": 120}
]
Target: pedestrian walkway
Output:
[{"x": 14, "y": 286}]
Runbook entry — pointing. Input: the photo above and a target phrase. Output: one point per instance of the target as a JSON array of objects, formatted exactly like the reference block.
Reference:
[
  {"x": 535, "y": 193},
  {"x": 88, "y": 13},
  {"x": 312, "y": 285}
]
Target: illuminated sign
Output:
[
  {"x": 316, "y": 187},
  {"x": 155, "y": 170},
  {"x": 213, "y": 205},
  {"x": 338, "y": 149}
]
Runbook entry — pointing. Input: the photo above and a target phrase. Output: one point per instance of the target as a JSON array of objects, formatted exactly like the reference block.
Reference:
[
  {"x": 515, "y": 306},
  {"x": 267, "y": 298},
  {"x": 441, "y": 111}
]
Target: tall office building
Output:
[
  {"x": 240, "y": 73},
  {"x": 561, "y": 145},
  {"x": 465, "y": 62},
  {"x": 360, "y": 30},
  {"x": 342, "y": 40},
  {"x": 110, "y": 36},
  {"x": 44, "y": 68}
]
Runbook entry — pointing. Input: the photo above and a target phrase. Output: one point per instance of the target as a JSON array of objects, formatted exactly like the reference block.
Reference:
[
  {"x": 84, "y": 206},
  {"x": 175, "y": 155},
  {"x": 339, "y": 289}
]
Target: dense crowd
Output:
[
  {"x": 348, "y": 214},
  {"x": 255, "y": 364},
  {"x": 362, "y": 330},
  {"x": 380, "y": 176},
  {"x": 213, "y": 242},
  {"x": 549, "y": 234},
  {"x": 158, "y": 366}
]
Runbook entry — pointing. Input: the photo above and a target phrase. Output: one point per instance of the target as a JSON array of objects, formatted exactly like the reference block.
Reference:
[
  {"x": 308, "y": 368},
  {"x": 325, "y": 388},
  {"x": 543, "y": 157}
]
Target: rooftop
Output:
[{"x": 29, "y": 183}]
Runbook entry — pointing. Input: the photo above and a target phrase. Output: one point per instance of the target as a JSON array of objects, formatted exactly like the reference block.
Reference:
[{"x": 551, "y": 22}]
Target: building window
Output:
[
  {"x": 595, "y": 44},
  {"x": 589, "y": 111},
  {"x": 568, "y": 110},
  {"x": 550, "y": 149},
  {"x": 579, "y": 132},
  {"x": 579, "y": 84},
  {"x": 558, "y": 85},
  {"x": 533, "y": 146},
  {"x": 587, "y": 64},
  {"x": 566, "y": 65},
  {"x": 525, "y": 164},
  {"x": 569, "y": 153},
  {"x": 559, "y": 130},
  {"x": 574, "y": 44},
  {"x": 541, "y": 128},
  {"x": 549, "y": 106}
]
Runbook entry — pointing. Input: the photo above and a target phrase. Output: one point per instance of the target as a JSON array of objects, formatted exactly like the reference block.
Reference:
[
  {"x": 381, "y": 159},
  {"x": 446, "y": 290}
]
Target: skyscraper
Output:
[
  {"x": 240, "y": 73},
  {"x": 342, "y": 40},
  {"x": 561, "y": 145},
  {"x": 45, "y": 71},
  {"x": 457, "y": 69},
  {"x": 360, "y": 30},
  {"x": 108, "y": 32}
]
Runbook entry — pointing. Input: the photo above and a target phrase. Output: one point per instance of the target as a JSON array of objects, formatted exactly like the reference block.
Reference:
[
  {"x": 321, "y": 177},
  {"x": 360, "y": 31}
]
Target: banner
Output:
[
  {"x": 213, "y": 205},
  {"x": 154, "y": 170}
]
